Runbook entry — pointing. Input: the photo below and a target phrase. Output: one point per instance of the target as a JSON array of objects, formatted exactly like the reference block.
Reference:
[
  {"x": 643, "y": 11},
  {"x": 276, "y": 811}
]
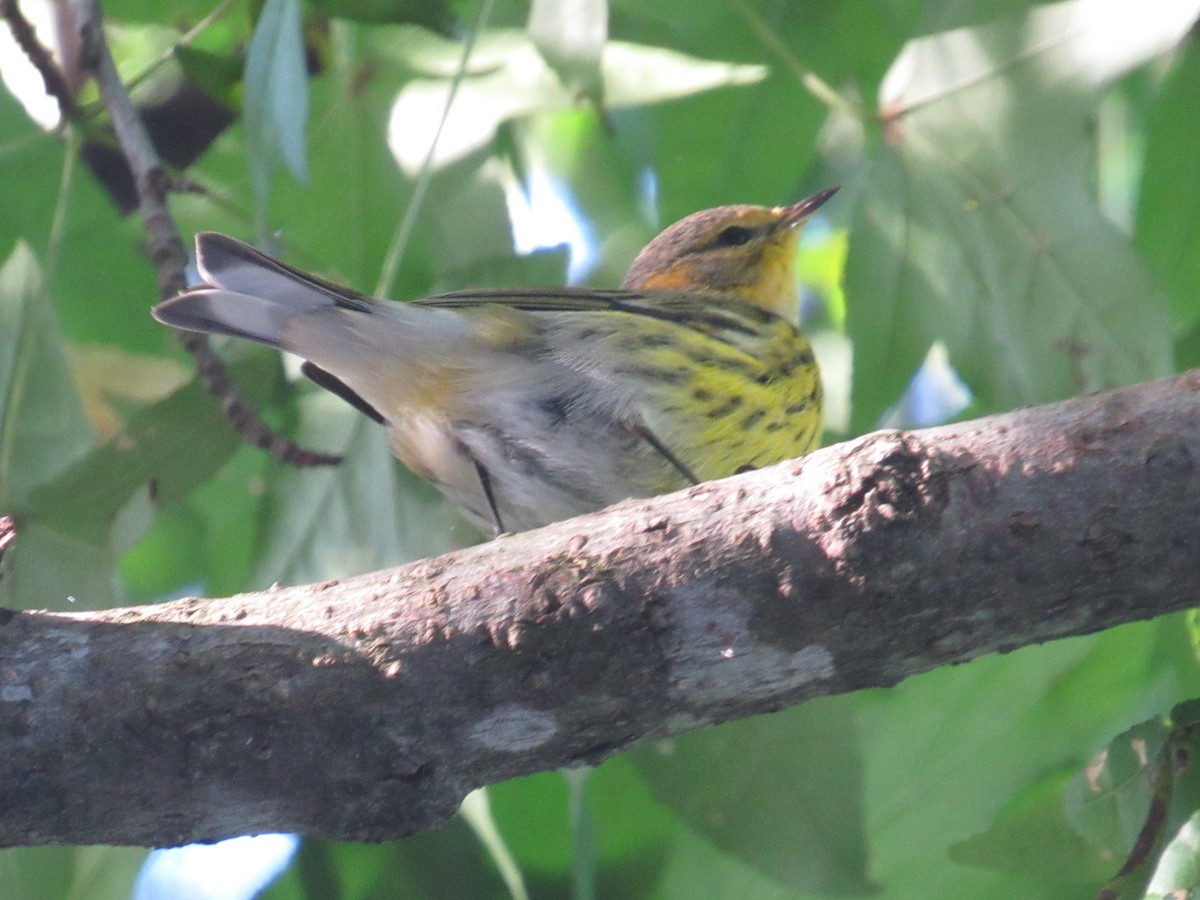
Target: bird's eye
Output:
[{"x": 733, "y": 236}]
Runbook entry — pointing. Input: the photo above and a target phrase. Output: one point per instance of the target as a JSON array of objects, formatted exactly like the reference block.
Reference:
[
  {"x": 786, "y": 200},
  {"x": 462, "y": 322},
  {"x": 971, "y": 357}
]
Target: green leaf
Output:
[
  {"x": 141, "y": 11},
  {"x": 433, "y": 14},
  {"x": 978, "y": 225},
  {"x": 30, "y": 163},
  {"x": 1108, "y": 802},
  {"x": 782, "y": 793},
  {"x": 1032, "y": 836},
  {"x": 364, "y": 514},
  {"x": 217, "y": 74},
  {"x": 230, "y": 506},
  {"x": 42, "y": 426},
  {"x": 276, "y": 104},
  {"x": 178, "y": 443},
  {"x": 570, "y": 35},
  {"x": 52, "y": 569},
  {"x": 1177, "y": 874},
  {"x": 444, "y": 862},
  {"x": 508, "y": 78},
  {"x": 1168, "y": 215},
  {"x": 168, "y": 554},
  {"x": 695, "y": 867},
  {"x": 1175, "y": 863},
  {"x": 68, "y": 873},
  {"x": 75, "y": 528},
  {"x": 947, "y": 750},
  {"x": 631, "y": 830},
  {"x": 36, "y": 180}
]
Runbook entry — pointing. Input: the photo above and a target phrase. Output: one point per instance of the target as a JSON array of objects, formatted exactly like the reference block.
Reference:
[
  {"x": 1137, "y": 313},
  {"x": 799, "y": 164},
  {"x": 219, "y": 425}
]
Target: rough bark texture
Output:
[{"x": 366, "y": 709}]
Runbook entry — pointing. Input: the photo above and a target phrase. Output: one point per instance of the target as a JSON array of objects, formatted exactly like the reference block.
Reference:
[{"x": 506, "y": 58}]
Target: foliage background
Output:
[{"x": 1020, "y": 189}]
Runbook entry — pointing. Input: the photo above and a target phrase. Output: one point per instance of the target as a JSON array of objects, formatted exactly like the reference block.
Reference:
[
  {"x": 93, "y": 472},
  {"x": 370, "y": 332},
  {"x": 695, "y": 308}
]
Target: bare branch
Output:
[
  {"x": 41, "y": 58},
  {"x": 366, "y": 709}
]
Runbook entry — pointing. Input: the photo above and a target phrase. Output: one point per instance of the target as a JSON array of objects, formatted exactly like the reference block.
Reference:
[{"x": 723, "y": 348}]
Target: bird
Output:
[{"x": 532, "y": 405}]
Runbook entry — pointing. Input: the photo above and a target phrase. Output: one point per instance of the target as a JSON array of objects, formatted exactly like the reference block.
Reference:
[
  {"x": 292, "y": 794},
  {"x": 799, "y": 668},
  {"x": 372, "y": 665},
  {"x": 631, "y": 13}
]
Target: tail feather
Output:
[
  {"x": 228, "y": 263},
  {"x": 247, "y": 294},
  {"x": 216, "y": 311},
  {"x": 368, "y": 352}
]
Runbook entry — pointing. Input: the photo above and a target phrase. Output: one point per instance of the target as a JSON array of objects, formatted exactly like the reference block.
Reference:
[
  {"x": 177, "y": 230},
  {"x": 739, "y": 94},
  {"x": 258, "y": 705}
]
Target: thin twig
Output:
[{"x": 43, "y": 61}]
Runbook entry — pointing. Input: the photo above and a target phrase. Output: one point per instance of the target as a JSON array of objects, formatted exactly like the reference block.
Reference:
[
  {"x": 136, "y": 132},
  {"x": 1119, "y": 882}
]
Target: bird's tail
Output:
[{"x": 250, "y": 295}]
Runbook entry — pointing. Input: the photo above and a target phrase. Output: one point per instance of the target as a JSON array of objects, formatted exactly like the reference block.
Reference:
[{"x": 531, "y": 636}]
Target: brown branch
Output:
[
  {"x": 35, "y": 51},
  {"x": 164, "y": 246},
  {"x": 366, "y": 709}
]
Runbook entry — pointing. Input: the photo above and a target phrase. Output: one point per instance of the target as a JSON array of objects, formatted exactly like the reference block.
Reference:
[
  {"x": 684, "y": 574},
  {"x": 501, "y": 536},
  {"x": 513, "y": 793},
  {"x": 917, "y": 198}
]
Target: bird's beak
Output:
[{"x": 798, "y": 213}]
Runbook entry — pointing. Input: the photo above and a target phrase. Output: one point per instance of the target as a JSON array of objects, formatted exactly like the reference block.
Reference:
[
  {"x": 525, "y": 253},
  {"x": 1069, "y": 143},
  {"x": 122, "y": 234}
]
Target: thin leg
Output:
[
  {"x": 485, "y": 482},
  {"x": 650, "y": 438}
]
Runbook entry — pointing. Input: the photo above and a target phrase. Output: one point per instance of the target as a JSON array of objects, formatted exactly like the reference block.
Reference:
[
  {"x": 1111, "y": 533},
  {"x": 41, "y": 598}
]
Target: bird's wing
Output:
[{"x": 700, "y": 313}]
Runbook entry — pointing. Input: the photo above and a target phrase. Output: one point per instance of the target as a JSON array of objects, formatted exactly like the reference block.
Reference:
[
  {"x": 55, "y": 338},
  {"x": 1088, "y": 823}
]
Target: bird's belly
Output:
[{"x": 538, "y": 472}]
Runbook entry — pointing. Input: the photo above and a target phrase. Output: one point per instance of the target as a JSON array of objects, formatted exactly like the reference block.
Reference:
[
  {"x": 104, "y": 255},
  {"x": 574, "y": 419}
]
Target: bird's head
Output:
[{"x": 746, "y": 253}]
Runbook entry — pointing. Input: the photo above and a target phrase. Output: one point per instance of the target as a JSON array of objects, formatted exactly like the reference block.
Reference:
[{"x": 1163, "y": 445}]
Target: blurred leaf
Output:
[
  {"x": 755, "y": 144},
  {"x": 275, "y": 110},
  {"x": 978, "y": 226},
  {"x": 218, "y": 74},
  {"x": 946, "y": 750},
  {"x": 109, "y": 379},
  {"x": 570, "y": 35},
  {"x": 1168, "y": 215},
  {"x": 570, "y": 153},
  {"x": 362, "y": 515},
  {"x": 1109, "y": 800},
  {"x": 178, "y": 443},
  {"x": 801, "y": 824},
  {"x": 42, "y": 426},
  {"x": 508, "y": 78},
  {"x": 695, "y": 867},
  {"x": 546, "y": 267},
  {"x": 632, "y": 831},
  {"x": 136, "y": 49},
  {"x": 141, "y": 11},
  {"x": 52, "y": 569},
  {"x": 30, "y": 163},
  {"x": 637, "y": 75},
  {"x": 1187, "y": 348},
  {"x": 1177, "y": 874},
  {"x": 70, "y": 873},
  {"x": 1032, "y": 836},
  {"x": 73, "y": 529},
  {"x": 34, "y": 183},
  {"x": 445, "y": 862},
  {"x": 1174, "y": 866},
  {"x": 433, "y": 14},
  {"x": 230, "y": 507},
  {"x": 163, "y": 559}
]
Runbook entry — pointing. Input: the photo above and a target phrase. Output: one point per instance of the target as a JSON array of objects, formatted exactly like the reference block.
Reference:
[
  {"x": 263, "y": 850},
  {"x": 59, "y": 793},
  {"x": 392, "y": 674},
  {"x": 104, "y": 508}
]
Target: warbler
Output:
[{"x": 529, "y": 406}]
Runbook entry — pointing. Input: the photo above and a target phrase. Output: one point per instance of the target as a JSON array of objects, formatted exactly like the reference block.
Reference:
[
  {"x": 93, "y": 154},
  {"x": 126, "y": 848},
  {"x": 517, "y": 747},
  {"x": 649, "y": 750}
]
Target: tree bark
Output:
[{"x": 366, "y": 709}]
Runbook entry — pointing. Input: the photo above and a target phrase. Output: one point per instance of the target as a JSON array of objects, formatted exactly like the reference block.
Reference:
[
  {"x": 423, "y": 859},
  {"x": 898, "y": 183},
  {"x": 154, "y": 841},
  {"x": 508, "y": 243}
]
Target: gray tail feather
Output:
[
  {"x": 228, "y": 263},
  {"x": 248, "y": 294},
  {"x": 216, "y": 311}
]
